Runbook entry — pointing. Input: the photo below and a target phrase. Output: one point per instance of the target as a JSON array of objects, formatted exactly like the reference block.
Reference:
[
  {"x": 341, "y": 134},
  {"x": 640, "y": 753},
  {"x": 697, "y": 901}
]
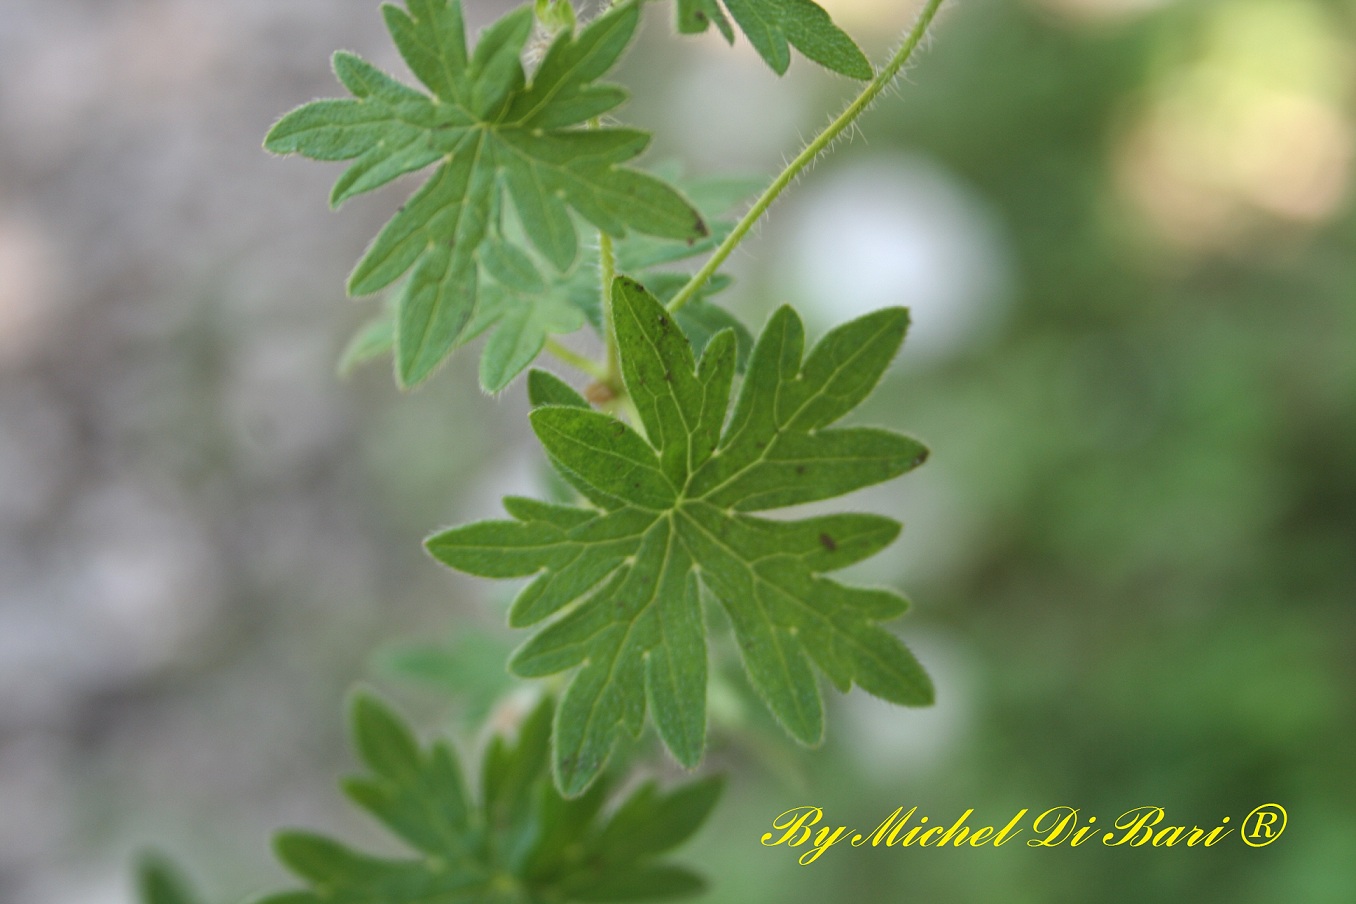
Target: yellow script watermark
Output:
[{"x": 1062, "y": 826}]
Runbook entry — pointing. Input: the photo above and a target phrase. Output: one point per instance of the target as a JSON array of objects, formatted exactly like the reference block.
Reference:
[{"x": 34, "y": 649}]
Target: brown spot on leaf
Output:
[{"x": 828, "y": 543}]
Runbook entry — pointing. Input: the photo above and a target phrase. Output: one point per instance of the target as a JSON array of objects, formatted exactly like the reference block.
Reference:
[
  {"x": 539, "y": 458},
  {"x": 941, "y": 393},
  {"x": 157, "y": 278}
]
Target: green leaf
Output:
[
  {"x": 770, "y": 25},
  {"x": 696, "y": 16},
  {"x": 652, "y": 822},
  {"x": 555, "y": 15},
  {"x": 524, "y": 301},
  {"x": 494, "y": 136},
  {"x": 651, "y": 883},
  {"x": 374, "y": 339},
  {"x": 525, "y": 320},
  {"x": 623, "y": 581},
  {"x": 526, "y": 305},
  {"x": 547, "y": 389},
  {"x": 522, "y": 843},
  {"x": 702, "y": 321},
  {"x": 159, "y": 882},
  {"x": 468, "y": 667}
]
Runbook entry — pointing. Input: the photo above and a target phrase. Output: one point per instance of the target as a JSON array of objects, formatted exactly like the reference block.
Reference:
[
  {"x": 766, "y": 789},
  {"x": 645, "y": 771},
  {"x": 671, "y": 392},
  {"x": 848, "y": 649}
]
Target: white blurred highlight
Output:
[{"x": 896, "y": 231}]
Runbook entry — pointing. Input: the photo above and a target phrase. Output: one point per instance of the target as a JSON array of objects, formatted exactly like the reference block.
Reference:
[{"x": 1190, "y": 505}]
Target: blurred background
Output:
[{"x": 1126, "y": 231}]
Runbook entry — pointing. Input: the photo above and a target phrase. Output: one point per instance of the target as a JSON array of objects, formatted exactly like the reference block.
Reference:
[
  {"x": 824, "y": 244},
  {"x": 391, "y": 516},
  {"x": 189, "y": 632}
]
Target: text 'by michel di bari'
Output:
[{"x": 1061, "y": 826}]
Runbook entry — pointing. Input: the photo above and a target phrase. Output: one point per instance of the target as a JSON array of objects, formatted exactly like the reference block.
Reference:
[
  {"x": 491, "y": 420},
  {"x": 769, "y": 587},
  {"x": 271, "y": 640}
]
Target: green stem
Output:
[
  {"x": 609, "y": 373},
  {"x": 807, "y": 156},
  {"x": 607, "y": 267},
  {"x": 576, "y": 360}
]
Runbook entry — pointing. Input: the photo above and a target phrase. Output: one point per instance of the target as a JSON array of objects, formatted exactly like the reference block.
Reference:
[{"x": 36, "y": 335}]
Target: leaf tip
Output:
[
  {"x": 859, "y": 68},
  {"x": 343, "y": 59},
  {"x": 274, "y": 138},
  {"x": 434, "y": 542},
  {"x": 293, "y": 848},
  {"x": 545, "y": 388},
  {"x": 894, "y": 319},
  {"x": 572, "y": 778},
  {"x": 920, "y": 459},
  {"x": 412, "y": 371},
  {"x": 494, "y": 380},
  {"x": 364, "y": 707},
  {"x": 353, "y": 286},
  {"x": 339, "y": 194},
  {"x": 785, "y": 317},
  {"x": 159, "y": 881}
]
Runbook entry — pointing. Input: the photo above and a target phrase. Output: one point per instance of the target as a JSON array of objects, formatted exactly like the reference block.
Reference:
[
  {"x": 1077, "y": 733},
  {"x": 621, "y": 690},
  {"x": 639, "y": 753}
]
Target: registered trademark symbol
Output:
[{"x": 1263, "y": 825}]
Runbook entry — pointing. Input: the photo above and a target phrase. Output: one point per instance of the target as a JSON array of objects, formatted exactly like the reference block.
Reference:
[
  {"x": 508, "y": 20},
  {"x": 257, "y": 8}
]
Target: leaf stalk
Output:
[
  {"x": 812, "y": 150},
  {"x": 607, "y": 268},
  {"x": 576, "y": 360}
]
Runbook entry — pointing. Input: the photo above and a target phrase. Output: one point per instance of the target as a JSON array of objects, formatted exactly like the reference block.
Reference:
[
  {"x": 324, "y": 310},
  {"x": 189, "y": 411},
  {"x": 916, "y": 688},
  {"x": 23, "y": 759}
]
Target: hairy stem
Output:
[
  {"x": 607, "y": 267},
  {"x": 576, "y": 360},
  {"x": 812, "y": 150}
]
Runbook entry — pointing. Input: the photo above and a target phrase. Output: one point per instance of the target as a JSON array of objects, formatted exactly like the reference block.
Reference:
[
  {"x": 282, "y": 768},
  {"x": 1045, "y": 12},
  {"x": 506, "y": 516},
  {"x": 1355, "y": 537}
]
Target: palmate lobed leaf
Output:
[
  {"x": 521, "y": 843},
  {"x": 624, "y": 580},
  {"x": 772, "y": 25},
  {"x": 493, "y": 134},
  {"x": 523, "y": 302}
]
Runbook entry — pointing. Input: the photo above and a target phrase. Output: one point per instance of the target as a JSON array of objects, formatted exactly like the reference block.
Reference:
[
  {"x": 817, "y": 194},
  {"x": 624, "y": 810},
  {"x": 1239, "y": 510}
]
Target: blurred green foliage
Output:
[
  {"x": 1156, "y": 458},
  {"x": 1148, "y": 596},
  {"x": 522, "y": 843}
]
